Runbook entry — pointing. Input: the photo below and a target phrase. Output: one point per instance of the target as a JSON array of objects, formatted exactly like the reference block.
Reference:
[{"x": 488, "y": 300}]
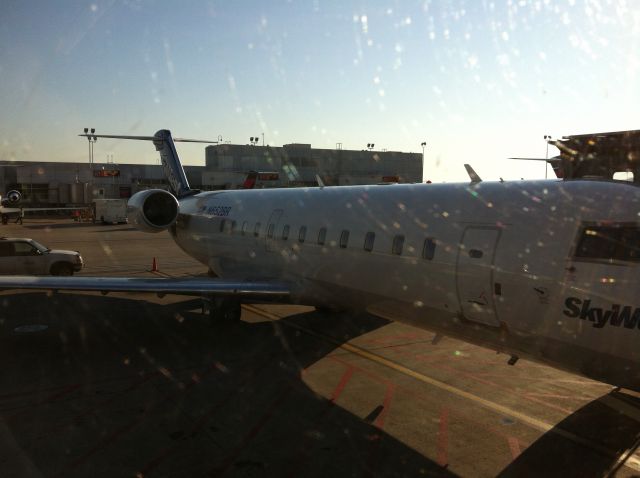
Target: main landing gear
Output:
[{"x": 222, "y": 308}]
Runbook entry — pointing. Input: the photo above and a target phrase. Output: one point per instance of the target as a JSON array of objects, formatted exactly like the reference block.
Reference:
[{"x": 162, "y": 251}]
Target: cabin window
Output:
[
  {"x": 285, "y": 232},
  {"x": 245, "y": 225},
  {"x": 398, "y": 244},
  {"x": 369, "y": 239},
  {"x": 270, "y": 230},
  {"x": 613, "y": 242},
  {"x": 222, "y": 224},
  {"x": 302, "y": 233},
  {"x": 233, "y": 227},
  {"x": 429, "y": 248},
  {"x": 322, "y": 236},
  {"x": 344, "y": 239},
  {"x": 256, "y": 229}
]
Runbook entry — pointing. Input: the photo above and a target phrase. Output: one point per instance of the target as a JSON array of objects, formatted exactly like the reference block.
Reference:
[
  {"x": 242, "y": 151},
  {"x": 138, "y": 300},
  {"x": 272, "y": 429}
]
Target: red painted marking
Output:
[
  {"x": 100, "y": 405},
  {"x": 253, "y": 432},
  {"x": 443, "y": 438},
  {"x": 202, "y": 420},
  {"x": 49, "y": 399},
  {"x": 375, "y": 452},
  {"x": 514, "y": 446},
  {"x": 425, "y": 397},
  {"x": 9, "y": 396},
  {"x": 305, "y": 447},
  {"x": 88, "y": 454},
  {"x": 388, "y": 396},
  {"x": 117, "y": 434},
  {"x": 346, "y": 376},
  {"x": 475, "y": 377}
]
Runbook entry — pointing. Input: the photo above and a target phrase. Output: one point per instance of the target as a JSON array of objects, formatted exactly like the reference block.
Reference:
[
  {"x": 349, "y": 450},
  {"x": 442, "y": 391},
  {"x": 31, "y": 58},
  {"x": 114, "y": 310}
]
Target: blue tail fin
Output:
[
  {"x": 173, "y": 170},
  {"x": 171, "y": 165}
]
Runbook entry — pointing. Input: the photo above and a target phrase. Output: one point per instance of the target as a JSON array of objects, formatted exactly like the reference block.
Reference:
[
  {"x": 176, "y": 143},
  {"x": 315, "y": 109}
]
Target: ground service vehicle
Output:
[
  {"x": 24, "y": 256},
  {"x": 110, "y": 211}
]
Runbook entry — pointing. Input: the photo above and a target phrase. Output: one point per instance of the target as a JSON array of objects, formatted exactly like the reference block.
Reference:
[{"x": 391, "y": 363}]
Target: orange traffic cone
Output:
[{"x": 154, "y": 265}]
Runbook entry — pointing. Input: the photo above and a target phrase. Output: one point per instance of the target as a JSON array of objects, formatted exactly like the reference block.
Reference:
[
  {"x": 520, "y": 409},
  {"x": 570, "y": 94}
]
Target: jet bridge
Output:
[{"x": 597, "y": 155}]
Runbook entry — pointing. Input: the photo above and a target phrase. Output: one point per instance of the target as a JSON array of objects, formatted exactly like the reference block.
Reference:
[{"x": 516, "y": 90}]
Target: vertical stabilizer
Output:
[
  {"x": 171, "y": 165},
  {"x": 472, "y": 174}
]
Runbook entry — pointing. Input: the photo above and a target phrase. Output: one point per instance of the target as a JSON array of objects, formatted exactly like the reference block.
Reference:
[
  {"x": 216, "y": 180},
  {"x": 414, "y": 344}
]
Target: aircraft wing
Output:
[{"x": 180, "y": 286}]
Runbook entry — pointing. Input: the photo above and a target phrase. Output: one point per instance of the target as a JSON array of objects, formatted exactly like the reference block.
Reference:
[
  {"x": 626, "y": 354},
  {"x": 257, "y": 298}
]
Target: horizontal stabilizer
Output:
[
  {"x": 181, "y": 286},
  {"x": 146, "y": 138}
]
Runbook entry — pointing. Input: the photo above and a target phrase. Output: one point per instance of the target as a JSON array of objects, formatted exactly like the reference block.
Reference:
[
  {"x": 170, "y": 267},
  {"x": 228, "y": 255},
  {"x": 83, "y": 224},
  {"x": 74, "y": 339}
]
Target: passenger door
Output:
[{"x": 474, "y": 274}]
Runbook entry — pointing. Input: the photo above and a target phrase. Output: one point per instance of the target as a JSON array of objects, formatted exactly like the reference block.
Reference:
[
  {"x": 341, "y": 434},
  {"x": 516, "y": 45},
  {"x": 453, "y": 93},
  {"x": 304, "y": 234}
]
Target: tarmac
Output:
[{"x": 140, "y": 386}]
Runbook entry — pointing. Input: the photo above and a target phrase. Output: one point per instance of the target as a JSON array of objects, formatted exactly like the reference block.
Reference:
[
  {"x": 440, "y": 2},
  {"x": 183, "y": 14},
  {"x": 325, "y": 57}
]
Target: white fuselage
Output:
[{"x": 490, "y": 263}]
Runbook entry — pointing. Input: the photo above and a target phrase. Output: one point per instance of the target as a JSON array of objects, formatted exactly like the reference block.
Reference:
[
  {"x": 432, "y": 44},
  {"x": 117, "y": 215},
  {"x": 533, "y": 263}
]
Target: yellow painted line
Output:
[{"x": 540, "y": 425}]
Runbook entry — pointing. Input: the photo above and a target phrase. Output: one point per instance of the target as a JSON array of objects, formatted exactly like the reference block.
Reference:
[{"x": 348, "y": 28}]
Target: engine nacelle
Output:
[
  {"x": 12, "y": 197},
  {"x": 153, "y": 210}
]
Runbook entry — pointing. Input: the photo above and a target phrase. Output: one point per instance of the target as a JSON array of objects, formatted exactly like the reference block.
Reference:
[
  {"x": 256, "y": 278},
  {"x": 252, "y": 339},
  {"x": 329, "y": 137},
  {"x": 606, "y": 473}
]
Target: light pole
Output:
[
  {"x": 547, "y": 138},
  {"x": 92, "y": 140},
  {"x": 424, "y": 145}
]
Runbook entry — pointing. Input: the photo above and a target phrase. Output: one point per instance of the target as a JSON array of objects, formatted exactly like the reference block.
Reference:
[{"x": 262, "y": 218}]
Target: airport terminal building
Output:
[{"x": 226, "y": 167}]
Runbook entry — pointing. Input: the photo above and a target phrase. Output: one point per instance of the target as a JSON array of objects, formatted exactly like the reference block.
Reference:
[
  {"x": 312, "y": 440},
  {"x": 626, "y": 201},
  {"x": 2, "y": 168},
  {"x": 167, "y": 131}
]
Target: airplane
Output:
[{"x": 544, "y": 269}]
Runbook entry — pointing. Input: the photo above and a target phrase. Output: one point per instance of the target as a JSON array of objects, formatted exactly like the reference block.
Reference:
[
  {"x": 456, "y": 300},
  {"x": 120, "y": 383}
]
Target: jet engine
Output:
[
  {"x": 153, "y": 210},
  {"x": 12, "y": 197}
]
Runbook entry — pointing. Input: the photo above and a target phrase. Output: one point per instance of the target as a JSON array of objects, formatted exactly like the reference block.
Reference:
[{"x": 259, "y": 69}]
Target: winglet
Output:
[{"x": 472, "y": 174}]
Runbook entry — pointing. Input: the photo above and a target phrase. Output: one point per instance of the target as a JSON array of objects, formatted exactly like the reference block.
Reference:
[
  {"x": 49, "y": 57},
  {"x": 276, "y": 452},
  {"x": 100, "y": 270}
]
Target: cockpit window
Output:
[{"x": 611, "y": 242}]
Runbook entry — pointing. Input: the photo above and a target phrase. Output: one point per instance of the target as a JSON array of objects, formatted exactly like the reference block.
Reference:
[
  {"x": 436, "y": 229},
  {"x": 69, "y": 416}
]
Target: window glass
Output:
[
  {"x": 270, "y": 230},
  {"x": 617, "y": 242},
  {"x": 302, "y": 233},
  {"x": 23, "y": 249},
  {"x": 6, "y": 249},
  {"x": 429, "y": 248},
  {"x": 222, "y": 224},
  {"x": 369, "y": 239},
  {"x": 322, "y": 236},
  {"x": 344, "y": 239},
  {"x": 256, "y": 230},
  {"x": 244, "y": 228},
  {"x": 398, "y": 244},
  {"x": 285, "y": 232}
]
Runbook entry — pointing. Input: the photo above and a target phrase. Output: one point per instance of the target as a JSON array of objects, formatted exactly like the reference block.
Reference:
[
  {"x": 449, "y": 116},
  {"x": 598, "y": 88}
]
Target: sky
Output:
[{"x": 478, "y": 81}]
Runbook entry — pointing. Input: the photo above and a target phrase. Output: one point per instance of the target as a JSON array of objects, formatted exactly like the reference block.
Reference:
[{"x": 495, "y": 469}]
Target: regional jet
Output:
[{"x": 545, "y": 270}]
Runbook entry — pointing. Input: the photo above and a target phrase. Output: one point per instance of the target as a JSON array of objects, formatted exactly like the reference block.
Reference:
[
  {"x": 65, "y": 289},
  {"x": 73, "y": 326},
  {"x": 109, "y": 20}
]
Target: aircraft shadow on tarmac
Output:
[
  {"x": 128, "y": 386},
  {"x": 589, "y": 442}
]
